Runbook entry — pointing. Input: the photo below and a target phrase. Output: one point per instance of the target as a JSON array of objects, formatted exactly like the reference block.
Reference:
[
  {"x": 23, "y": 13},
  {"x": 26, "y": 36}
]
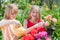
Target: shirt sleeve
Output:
[{"x": 2, "y": 23}]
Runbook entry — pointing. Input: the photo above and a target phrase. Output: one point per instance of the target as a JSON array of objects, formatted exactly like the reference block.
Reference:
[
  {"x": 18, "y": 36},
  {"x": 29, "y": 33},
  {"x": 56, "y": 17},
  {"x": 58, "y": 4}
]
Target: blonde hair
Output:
[
  {"x": 36, "y": 8},
  {"x": 9, "y": 10}
]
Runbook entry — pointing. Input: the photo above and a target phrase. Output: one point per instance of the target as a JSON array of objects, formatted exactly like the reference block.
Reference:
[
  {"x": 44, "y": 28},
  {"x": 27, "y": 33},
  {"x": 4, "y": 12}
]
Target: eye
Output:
[{"x": 33, "y": 11}]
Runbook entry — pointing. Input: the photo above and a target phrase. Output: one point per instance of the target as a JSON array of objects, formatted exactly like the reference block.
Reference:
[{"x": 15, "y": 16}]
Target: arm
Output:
[
  {"x": 3, "y": 23},
  {"x": 21, "y": 31},
  {"x": 35, "y": 26},
  {"x": 25, "y": 23}
]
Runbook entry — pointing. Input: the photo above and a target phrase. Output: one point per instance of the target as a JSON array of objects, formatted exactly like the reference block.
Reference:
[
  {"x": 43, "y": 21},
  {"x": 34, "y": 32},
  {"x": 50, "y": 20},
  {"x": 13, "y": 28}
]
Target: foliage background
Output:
[{"x": 45, "y": 7}]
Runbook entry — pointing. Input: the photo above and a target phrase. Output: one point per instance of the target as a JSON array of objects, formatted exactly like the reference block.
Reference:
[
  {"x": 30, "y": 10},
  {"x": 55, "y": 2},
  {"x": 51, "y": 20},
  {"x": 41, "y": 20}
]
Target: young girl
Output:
[
  {"x": 33, "y": 18},
  {"x": 11, "y": 28}
]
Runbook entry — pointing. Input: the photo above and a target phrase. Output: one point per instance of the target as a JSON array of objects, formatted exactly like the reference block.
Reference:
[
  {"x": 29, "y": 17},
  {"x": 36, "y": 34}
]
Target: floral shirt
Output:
[{"x": 6, "y": 30}]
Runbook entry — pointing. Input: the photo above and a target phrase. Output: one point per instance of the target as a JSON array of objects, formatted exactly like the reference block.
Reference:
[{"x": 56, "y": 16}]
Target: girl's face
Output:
[
  {"x": 34, "y": 13},
  {"x": 13, "y": 15}
]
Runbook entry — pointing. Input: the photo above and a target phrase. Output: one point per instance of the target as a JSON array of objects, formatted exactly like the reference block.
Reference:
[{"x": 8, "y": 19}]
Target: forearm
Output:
[
  {"x": 31, "y": 28},
  {"x": 35, "y": 26}
]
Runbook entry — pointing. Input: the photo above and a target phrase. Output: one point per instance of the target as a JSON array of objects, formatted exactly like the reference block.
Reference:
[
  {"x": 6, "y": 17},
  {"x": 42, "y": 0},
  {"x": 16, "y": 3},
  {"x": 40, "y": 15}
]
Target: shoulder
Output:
[
  {"x": 15, "y": 21},
  {"x": 18, "y": 22}
]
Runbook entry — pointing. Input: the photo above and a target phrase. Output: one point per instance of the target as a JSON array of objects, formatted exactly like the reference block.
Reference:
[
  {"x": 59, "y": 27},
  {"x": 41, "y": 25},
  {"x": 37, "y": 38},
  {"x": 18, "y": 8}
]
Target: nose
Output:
[{"x": 35, "y": 14}]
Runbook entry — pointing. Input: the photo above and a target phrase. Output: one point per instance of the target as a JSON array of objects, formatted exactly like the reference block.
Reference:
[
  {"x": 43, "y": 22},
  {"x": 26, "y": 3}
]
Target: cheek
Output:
[
  {"x": 31, "y": 14},
  {"x": 38, "y": 14},
  {"x": 13, "y": 16}
]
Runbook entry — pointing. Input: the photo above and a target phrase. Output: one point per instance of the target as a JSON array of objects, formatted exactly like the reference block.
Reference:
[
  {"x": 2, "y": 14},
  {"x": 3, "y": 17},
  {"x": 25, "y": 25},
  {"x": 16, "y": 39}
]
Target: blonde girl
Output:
[{"x": 34, "y": 17}]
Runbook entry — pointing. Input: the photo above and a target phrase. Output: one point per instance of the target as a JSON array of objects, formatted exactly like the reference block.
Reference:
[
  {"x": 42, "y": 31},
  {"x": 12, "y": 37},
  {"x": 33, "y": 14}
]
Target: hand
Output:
[
  {"x": 46, "y": 23},
  {"x": 39, "y": 24}
]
